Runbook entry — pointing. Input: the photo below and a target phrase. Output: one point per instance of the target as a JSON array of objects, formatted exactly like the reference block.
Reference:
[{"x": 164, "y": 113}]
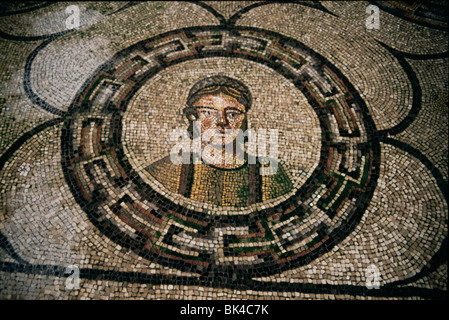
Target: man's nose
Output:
[{"x": 222, "y": 119}]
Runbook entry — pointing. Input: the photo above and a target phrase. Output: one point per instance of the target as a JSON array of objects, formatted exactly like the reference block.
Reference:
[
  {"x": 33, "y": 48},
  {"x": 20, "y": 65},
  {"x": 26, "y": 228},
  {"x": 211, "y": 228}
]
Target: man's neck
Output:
[{"x": 217, "y": 157}]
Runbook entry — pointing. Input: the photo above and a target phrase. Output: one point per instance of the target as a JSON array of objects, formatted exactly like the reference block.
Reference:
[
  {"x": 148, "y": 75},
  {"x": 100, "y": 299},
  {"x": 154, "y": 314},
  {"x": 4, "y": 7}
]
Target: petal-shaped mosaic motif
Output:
[{"x": 343, "y": 196}]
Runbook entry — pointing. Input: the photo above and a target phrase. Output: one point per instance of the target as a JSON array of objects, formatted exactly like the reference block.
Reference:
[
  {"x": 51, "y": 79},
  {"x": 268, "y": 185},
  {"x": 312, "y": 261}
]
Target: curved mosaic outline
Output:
[
  {"x": 25, "y": 10},
  {"x": 411, "y": 17},
  {"x": 314, "y": 5},
  {"x": 441, "y": 256},
  {"x": 231, "y": 21},
  {"x": 385, "y": 291},
  {"x": 49, "y": 38},
  {"x": 416, "y": 87},
  {"x": 319, "y": 244}
]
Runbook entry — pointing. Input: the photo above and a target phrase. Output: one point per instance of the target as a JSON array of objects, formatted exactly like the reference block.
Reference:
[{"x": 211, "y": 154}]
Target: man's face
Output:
[{"x": 222, "y": 115}]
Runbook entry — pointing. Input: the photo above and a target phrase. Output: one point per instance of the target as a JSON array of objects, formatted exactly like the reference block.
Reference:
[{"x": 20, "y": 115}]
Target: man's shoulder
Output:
[
  {"x": 263, "y": 161},
  {"x": 165, "y": 163},
  {"x": 269, "y": 166}
]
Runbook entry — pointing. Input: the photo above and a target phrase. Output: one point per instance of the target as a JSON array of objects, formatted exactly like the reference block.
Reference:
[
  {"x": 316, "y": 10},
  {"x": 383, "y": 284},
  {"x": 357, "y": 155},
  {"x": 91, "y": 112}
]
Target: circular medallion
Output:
[{"x": 205, "y": 219}]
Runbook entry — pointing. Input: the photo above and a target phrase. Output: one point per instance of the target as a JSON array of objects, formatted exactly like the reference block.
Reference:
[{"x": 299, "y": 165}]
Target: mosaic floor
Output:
[{"x": 334, "y": 185}]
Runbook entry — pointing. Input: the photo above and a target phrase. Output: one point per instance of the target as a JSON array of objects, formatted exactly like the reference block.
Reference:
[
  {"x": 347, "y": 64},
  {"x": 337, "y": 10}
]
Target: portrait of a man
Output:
[{"x": 225, "y": 174}]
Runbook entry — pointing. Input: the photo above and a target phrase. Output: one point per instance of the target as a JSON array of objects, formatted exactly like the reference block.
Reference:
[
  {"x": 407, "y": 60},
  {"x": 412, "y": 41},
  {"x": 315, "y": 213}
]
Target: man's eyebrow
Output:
[
  {"x": 206, "y": 108},
  {"x": 235, "y": 109},
  {"x": 230, "y": 108}
]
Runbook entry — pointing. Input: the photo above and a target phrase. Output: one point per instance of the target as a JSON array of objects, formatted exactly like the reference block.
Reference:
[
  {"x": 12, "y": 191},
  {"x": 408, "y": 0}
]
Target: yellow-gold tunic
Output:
[{"x": 237, "y": 187}]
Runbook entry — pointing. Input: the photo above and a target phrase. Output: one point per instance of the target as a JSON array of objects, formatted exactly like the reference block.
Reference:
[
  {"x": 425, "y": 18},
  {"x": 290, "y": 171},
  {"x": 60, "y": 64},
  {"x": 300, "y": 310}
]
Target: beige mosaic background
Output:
[{"x": 401, "y": 230}]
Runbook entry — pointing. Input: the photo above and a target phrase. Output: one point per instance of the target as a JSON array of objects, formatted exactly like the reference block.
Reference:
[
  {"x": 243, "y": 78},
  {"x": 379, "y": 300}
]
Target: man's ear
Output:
[
  {"x": 245, "y": 123},
  {"x": 191, "y": 113}
]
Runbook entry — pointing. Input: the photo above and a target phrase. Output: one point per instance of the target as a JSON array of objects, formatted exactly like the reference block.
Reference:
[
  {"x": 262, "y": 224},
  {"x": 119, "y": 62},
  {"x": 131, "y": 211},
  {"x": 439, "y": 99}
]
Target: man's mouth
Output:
[{"x": 220, "y": 136}]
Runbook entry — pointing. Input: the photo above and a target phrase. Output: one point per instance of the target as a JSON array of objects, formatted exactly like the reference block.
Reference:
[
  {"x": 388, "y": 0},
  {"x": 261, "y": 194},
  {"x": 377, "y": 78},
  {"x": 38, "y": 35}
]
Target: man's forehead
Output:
[{"x": 219, "y": 102}]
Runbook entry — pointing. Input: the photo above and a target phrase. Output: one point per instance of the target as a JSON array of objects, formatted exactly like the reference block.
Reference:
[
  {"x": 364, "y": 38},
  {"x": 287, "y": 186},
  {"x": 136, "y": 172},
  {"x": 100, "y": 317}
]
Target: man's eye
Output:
[{"x": 233, "y": 115}]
